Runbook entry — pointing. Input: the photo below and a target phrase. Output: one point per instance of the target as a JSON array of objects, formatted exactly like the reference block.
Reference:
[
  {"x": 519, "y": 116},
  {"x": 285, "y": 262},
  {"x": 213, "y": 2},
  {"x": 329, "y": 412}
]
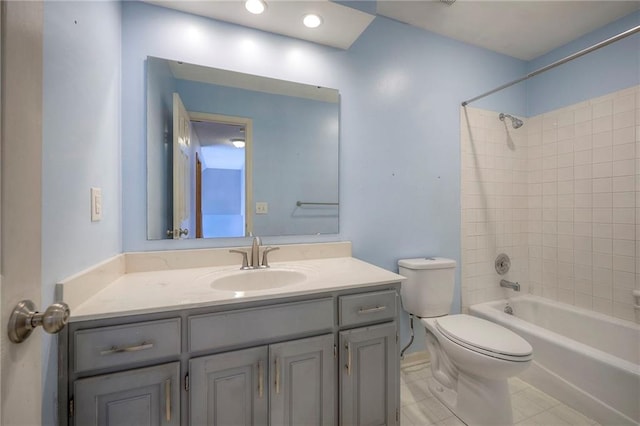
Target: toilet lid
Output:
[{"x": 484, "y": 336}]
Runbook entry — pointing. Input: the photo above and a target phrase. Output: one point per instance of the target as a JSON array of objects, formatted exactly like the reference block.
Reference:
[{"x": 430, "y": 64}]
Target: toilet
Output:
[{"x": 471, "y": 358}]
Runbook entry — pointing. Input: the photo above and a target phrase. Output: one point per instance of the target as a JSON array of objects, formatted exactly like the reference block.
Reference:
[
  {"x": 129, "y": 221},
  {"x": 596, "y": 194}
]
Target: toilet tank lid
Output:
[{"x": 427, "y": 263}]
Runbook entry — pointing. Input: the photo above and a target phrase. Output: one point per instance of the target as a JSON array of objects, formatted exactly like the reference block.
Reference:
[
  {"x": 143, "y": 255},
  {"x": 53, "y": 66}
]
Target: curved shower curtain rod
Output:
[{"x": 582, "y": 52}]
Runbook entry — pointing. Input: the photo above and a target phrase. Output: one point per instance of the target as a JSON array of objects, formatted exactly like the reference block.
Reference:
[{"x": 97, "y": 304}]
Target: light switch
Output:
[
  {"x": 96, "y": 204},
  {"x": 262, "y": 207}
]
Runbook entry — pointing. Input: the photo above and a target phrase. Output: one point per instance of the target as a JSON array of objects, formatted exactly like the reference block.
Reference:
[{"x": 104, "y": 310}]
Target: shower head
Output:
[{"x": 515, "y": 122}]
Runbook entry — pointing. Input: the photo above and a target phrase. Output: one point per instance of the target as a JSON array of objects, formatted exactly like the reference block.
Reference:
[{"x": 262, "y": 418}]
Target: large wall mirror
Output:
[{"x": 232, "y": 154}]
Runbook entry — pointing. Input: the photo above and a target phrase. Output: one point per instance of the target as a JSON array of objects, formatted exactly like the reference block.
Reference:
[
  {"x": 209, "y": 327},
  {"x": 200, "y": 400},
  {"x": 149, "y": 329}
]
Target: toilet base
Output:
[{"x": 477, "y": 401}]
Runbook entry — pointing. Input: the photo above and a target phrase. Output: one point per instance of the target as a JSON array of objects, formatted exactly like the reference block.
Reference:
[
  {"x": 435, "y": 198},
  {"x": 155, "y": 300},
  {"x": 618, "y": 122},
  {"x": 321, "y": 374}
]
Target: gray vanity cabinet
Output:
[
  {"x": 144, "y": 396},
  {"x": 290, "y": 383},
  {"x": 323, "y": 359},
  {"x": 369, "y": 377},
  {"x": 303, "y": 382},
  {"x": 230, "y": 388}
]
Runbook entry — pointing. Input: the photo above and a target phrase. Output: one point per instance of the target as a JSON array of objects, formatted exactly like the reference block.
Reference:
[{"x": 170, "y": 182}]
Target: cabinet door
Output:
[
  {"x": 229, "y": 388},
  {"x": 145, "y": 396},
  {"x": 369, "y": 378},
  {"x": 303, "y": 385}
]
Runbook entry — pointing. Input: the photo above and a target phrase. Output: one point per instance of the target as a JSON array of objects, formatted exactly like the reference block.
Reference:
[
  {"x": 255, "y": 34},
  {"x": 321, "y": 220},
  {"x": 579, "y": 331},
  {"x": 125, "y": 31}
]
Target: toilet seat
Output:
[{"x": 484, "y": 337}]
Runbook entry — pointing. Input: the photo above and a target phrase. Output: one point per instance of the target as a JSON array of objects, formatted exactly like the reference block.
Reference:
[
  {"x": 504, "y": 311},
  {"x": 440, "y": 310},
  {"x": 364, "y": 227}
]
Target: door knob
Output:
[
  {"x": 176, "y": 233},
  {"x": 25, "y": 318}
]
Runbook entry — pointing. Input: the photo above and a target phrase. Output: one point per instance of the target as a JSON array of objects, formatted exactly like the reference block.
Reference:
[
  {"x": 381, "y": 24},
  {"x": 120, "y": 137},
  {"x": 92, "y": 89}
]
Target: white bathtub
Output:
[{"x": 587, "y": 360}]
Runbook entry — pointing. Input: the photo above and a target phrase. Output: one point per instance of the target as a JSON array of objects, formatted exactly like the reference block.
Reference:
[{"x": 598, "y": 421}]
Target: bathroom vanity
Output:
[{"x": 323, "y": 350}]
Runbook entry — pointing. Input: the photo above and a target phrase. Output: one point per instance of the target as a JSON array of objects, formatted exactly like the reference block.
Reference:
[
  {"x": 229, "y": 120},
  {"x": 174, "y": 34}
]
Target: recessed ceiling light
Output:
[
  {"x": 238, "y": 143},
  {"x": 255, "y": 6},
  {"x": 311, "y": 20}
]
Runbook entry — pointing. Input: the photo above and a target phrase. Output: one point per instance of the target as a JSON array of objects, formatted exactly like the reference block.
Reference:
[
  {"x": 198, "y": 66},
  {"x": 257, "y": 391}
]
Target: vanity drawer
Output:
[
  {"x": 259, "y": 325},
  {"x": 367, "y": 307},
  {"x": 125, "y": 344}
]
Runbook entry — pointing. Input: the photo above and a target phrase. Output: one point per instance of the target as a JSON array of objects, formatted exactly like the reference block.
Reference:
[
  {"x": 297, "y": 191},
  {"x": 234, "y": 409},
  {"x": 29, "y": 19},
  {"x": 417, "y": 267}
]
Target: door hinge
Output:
[
  {"x": 397, "y": 415},
  {"x": 397, "y": 338},
  {"x": 186, "y": 382},
  {"x": 71, "y": 408},
  {"x": 335, "y": 351}
]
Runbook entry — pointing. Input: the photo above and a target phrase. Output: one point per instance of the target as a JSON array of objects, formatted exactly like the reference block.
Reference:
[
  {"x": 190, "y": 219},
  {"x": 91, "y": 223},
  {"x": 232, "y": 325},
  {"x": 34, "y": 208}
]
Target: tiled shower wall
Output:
[
  {"x": 494, "y": 204},
  {"x": 582, "y": 220}
]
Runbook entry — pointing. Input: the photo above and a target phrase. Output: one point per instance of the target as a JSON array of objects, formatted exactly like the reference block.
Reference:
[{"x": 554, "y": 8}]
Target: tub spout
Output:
[{"x": 509, "y": 284}]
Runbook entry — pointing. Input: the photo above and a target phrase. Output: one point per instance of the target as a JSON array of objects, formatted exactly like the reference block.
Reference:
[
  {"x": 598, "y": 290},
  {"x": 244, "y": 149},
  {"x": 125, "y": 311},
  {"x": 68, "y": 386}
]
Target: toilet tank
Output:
[{"x": 428, "y": 290}]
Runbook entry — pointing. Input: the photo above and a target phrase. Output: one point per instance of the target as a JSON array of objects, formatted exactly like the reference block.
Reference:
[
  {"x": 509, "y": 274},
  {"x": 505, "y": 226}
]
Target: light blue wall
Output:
[
  {"x": 221, "y": 191},
  {"x": 400, "y": 139},
  {"x": 81, "y": 149},
  {"x": 222, "y": 203},
  {"x": 606, "y": 70}
]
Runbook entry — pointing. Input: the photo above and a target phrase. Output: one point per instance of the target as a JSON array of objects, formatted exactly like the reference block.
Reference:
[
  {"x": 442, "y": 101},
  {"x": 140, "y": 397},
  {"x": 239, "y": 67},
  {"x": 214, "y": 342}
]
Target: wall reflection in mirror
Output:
[{"x": 232, "y": 154}]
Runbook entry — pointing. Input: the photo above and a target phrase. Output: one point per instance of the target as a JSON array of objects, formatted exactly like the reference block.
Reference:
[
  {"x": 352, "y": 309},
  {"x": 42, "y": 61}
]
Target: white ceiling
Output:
[
  {"x": 341, "y": 27},
  {"x": 216, "y": 148},
  {"x": 214, "y": 133},
  {"x": 524, "y": 29}
]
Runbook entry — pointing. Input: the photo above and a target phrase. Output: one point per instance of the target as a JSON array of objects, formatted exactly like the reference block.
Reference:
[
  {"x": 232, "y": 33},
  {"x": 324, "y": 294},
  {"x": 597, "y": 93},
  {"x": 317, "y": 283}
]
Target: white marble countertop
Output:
[{"x": 174, "y": 289}]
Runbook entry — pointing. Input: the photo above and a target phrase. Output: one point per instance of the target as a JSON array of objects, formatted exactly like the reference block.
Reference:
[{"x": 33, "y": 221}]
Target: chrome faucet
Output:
[{"x": 509, "y": 284}]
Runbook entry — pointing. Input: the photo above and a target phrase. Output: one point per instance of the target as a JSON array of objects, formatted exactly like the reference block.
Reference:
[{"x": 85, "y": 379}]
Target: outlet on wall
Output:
[{"x": 262, "y": 207}]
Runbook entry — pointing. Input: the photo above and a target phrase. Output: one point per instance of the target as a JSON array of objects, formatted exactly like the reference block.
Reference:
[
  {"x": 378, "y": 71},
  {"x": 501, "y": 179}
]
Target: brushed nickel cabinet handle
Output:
[
  {"x": 277, "y": 376},
  {"x": 363, "y": 311},
  {"x": 117, "y": 350},
  {"x": 167, "y": 396},
  {"x": 260, "y": 379},
  {"x": 347, "y": 346}
]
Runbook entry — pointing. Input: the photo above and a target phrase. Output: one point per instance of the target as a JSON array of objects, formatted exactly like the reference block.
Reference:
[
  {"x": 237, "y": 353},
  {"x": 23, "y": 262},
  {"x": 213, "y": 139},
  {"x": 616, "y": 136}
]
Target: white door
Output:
[
  {"x": 181, "y": 171},
  {"x": 21, "y": 205}
]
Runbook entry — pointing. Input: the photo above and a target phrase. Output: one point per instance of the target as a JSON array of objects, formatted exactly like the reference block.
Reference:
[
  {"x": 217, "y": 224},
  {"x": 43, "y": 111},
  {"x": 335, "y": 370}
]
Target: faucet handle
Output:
[
  {"x": 245, "y": 259},
  {"x": 265, "y": 262}
]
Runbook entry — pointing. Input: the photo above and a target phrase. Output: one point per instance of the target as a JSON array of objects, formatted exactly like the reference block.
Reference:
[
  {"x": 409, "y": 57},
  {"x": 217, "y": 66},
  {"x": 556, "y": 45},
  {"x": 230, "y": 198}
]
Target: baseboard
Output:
[{"x": 414, "y": 358}]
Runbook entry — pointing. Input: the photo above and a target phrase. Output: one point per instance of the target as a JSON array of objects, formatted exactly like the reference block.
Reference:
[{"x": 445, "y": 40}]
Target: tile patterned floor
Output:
[{"x": 530, "y": 406}]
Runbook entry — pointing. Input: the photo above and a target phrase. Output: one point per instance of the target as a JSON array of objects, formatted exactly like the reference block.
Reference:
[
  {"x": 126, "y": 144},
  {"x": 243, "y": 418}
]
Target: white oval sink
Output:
[{"x": 258, "y": 279}]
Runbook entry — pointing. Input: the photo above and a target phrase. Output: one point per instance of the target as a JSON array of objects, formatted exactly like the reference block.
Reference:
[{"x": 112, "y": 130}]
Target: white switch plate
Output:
[
  {"x": 96, "y": 204},
  {"x": 262, "y": 207}
]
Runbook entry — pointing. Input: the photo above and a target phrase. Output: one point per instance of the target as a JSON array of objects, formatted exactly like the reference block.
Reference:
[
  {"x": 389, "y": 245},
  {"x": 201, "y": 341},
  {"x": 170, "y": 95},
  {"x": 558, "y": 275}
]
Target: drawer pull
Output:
[
  {"x": 363, "y": 311},
  {"x": 116, "y": 350}
]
